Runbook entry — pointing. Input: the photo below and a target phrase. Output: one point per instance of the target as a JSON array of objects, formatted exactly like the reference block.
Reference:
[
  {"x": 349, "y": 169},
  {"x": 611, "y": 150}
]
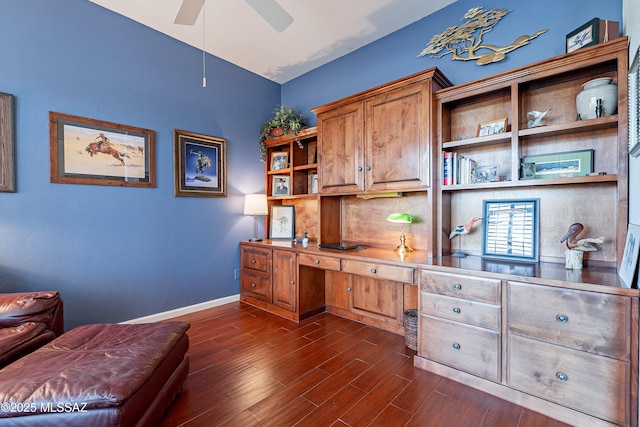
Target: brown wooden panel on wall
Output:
[{"x": 365, "y": 221}]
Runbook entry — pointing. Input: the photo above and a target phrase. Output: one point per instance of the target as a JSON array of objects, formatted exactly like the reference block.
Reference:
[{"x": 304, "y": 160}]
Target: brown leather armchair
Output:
[{"x": 28, "y": 320}]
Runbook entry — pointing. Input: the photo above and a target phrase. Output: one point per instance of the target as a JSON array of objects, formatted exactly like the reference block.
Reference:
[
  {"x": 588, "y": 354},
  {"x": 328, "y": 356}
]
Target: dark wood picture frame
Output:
[
  {"x": 200, "y": 165},
  {"x": 96, "y": 152},
  {"x": 282, "y": 222},
  {"x": 7, "y": 144}
]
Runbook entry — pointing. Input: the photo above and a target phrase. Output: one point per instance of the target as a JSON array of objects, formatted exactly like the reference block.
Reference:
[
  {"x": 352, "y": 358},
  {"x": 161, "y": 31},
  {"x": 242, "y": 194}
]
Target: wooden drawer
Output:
[
  {"x": 584, "y": 320},
  {"x": 464, "y": 347},
  {"x": 255, "y": 285},
  {"x": 378, "y": 271},
  {"x": 461, "y": 310},
  {"x": 256, "y": 259},
  {"x": 459, "y": 286},
  {"x": 592, "y": 384},
  {"x": 319, "y": 261}
]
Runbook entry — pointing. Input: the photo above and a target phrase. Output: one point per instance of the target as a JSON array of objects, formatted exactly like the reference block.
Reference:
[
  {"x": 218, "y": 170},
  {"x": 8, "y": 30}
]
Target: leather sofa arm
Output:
[{"x": 40, "y": 307}]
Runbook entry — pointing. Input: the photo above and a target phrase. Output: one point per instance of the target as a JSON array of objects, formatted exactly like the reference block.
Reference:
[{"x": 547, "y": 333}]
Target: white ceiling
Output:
[{"x": 322, "y": 30}]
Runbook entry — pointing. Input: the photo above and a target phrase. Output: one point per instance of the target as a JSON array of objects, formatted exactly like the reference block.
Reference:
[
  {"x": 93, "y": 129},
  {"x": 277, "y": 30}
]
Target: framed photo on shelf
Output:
[
  {"x": 511, "y": 229},
  {"x": 279, "y": 160},
  {"x": 629, "y": 264},
  {"x": 559, "y": 165},
  {"x": 7, "y": 144},
  {"x": 492, "y": 128},
  {"x": 313, "y": 183},
  {"x": 283, "y": 222},
  {"x": 280, "y": 185},
  {"x": 485, "y": 174},
  {"x": 634, "y": 106},
  {"x": 200, "y": 168},
  {"x": 89, "y": 151}
]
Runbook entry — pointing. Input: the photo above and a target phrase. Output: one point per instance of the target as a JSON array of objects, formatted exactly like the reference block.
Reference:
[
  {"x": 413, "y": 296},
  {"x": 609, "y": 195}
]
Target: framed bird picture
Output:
[{"x": 511, "y": 229}]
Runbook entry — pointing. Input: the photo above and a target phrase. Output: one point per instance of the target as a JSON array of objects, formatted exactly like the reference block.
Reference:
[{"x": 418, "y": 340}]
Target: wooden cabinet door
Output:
[
  {"x": 285, "y": 287},
  {"x": 397, "y": 139},
  {"x": 337, "y": 289},
  {"x": 340, "y": 153},
  {"x": 379, "y": 299}
]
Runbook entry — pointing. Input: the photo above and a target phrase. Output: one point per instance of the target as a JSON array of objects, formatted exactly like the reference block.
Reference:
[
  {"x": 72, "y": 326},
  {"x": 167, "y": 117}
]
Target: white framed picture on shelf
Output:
[
  {"x": 629, "y": 264},
  {"x": 313, "y": 183}
]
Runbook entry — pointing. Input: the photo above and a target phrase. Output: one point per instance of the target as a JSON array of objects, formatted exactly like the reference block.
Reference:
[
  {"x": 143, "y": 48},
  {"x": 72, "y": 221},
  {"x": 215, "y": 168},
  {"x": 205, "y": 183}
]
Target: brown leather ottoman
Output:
[{"x": 97, "y": 375}]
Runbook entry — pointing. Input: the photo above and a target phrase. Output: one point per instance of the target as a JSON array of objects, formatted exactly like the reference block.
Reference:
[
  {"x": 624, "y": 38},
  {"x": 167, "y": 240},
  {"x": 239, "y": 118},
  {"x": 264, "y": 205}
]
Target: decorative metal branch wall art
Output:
[{"x": 464, "y": 41}]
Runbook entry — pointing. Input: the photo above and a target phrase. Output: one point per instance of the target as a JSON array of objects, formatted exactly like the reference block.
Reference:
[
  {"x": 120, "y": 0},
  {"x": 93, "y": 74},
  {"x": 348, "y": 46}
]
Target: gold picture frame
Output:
[{"x": 492, "y": 127}]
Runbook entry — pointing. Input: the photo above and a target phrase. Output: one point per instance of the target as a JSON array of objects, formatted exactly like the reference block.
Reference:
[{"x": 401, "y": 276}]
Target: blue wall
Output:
[
  {"x": 119, "y": 253},
  {"x": 396, "y": 55}
]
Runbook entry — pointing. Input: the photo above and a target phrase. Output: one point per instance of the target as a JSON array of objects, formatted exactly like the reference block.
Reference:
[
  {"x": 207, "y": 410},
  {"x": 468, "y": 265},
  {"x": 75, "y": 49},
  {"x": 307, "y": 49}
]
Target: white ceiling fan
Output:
[{"x": 271, "y": 11}]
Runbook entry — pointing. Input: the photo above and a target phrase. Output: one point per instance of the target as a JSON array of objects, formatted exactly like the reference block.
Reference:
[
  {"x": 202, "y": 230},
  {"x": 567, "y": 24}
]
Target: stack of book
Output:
[{"x": 458, "y": 169}]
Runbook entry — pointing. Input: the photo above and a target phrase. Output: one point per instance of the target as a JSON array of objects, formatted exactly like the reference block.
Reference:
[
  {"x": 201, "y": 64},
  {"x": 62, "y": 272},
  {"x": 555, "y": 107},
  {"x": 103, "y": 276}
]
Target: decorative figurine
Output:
[
  {"x": 460, "y": 231},
  {"x": 576, "y": 248},
  {"x": 535, "y": 118}
]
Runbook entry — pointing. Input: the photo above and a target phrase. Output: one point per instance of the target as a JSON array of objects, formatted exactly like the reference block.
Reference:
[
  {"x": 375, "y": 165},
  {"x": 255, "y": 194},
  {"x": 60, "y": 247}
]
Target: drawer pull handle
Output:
[
  {"x": 562, "y": 318},
  {"x": 317, "y": 261},
  {"x": 562, "y": 377},
  {"x": 456, "y": 346},
  {"x": 253, "y": 285},
  {"x": 253, "y": 261},
  {"x": 456, "y": 310},
  {"x": 373, "y": 271},
  {"x": 293, "y": 282},
  {"x": 457, "y": 286},
  {"x": 349, "y": 289}
]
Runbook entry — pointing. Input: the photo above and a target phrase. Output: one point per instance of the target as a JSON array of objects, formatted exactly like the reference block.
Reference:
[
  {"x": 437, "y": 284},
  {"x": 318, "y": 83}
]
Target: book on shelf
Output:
[{"x": 457, "y": 169}]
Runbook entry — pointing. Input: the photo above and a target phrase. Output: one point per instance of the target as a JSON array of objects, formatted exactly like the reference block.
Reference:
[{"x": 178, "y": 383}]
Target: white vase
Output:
[{"x": 587, "y": 100}]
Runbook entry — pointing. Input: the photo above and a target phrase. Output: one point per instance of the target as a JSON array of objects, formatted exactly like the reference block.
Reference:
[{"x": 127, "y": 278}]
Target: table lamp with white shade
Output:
[{"x": 255, "y": 204}]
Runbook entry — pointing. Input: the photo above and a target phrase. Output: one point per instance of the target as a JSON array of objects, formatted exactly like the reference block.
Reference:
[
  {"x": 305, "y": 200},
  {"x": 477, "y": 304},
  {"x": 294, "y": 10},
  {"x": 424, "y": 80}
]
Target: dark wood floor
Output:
[{"x": 251, "y": 368}]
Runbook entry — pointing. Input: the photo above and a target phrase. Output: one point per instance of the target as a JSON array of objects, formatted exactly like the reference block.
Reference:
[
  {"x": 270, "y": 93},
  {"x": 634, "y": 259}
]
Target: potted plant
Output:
[{"x": 285, "y": 122}]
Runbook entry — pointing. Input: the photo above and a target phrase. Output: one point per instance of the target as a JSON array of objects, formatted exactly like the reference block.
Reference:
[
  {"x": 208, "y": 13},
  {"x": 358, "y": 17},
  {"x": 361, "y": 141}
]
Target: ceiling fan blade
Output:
[
  {"x": 273, "y": 13},
  {"x": 188, "y": 12}
]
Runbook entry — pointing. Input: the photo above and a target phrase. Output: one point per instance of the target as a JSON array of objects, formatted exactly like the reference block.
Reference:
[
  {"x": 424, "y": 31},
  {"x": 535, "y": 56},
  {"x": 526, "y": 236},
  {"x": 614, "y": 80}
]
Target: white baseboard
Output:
[{"x": 184, "y": 310}]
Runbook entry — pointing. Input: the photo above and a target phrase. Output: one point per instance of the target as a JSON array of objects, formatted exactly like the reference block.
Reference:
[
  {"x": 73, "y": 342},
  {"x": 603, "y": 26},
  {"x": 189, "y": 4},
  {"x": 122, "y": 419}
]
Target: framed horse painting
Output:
[
  {"x": 89, "y": 151},
  {"x": 200, "y": 163}
]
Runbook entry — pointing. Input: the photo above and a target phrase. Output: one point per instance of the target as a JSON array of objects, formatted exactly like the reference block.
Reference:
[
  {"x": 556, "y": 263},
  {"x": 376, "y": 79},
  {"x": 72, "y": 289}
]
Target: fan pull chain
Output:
[{"x": 204, "y": 62}]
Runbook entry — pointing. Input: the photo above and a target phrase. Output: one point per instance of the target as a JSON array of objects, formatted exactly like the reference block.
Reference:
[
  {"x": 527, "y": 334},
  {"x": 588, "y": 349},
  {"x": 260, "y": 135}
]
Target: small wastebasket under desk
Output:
[{"x": 410, "y": 322}]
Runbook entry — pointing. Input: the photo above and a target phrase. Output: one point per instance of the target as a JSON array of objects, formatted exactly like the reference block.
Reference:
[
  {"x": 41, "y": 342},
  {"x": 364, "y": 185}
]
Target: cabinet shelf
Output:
[
  {"x": 608, "y": 122},
  {"x": 599, "y": 201},
  {"x": 478, "y": 141},
  {"x": 613, "y": 178},
  {"x": 310, "y": 166}
]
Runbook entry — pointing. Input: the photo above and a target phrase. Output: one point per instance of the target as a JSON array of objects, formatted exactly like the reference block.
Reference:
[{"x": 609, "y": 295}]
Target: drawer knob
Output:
[
  {"x": 349, "y": 289},
  {"x": 368, "y": 168},
  {"x": 359, "y": 168},
  {"x": 456, "y": 346},
  {"x": 317, "y": 261},
  {"x": 456, "y": 310},
  {"x": 562, "y": 376},
  {"x": 373, "y": 271},
  {"x": 457, "y": 286},
  {"x": 253, "y": 261},
  {"x": 562, "y": 318},
  {"x": 293, "y": 282},
  {"x": 253, "y": 285}
]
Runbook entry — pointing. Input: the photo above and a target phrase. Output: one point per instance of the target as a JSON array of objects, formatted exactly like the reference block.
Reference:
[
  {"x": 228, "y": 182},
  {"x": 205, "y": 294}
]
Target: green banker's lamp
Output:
[{"x": 401, "y": 218}]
